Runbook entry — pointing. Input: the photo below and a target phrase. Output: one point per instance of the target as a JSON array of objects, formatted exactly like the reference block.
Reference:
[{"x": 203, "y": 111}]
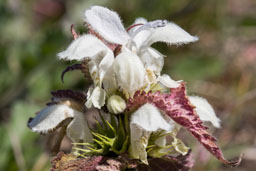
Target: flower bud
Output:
[{"x": 116, "y": 104}]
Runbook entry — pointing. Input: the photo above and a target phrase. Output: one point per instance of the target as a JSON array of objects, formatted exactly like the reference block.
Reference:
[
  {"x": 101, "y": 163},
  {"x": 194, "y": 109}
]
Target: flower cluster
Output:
[{"x": 141, "y": 110}]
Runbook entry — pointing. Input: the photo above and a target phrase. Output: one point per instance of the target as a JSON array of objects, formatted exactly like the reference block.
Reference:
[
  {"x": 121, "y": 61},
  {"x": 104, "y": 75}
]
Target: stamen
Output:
[{"x": 132, "y": 26}]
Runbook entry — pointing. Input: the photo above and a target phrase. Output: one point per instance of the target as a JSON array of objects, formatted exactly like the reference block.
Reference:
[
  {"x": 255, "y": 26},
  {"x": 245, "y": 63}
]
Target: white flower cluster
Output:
[{"x": 117, "y": 76}]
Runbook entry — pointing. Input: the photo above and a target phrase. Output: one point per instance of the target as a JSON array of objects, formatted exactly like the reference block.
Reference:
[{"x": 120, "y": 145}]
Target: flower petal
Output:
[
  {"x": 89, "y": 46},
  {"x": 99, "y": 65},
  {"x": 171, "y": 34},
  {"x": 204, "y": 110},
  {"x": 144, "y": 121},
  {"x": 78, "y": 129},
  {"x": 148, "y": 117},
  {"x": 85, "y": 46},
  {"x": 167, "y": 81},
  {"x": 107, "y": 23},
  {"x": 110, "y": 81},
  {"x": 95, "y": 97},
  {"x": 51, "y": 118},
  {"x": 153, "y": 60},
  {"x": 139, "y": 141},
  {"x": 130, "y": 72}
]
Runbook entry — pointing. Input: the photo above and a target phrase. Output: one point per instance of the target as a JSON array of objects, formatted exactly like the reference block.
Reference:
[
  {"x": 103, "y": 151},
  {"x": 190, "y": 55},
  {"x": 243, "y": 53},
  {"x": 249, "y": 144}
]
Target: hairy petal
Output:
[
  {"x": 51, "y": 118},
  {"x": 95, "y": 97},
  {"x": 204, "y": 110},
  {"x": 107, "y": 23},
  {"x": 110, "y": 81},
  {"x": 78, "y": 129},
  {"x": 88, "y": 46},
  {"x": 144, "y": 121},
  {"x": 55, "y": 116},
  {"x": 171, "y": 34},
  {"x": 148, "y": 117},
  {"x": 177, "y": 106},
  {"x": 139, "y": 141},
  {"x": 153, "y": 60},
  {"x": 85, "y": 46},
  {"x": 130, "y": 72},
  {"x": 167, "y": 81}
]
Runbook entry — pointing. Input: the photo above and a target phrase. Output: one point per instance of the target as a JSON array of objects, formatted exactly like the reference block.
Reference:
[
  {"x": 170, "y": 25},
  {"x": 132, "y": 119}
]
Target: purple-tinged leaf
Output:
[
  {"x": 177, "y": 106},
  {"x": 60, "y": 95},
  {"x": 83, "y": 67},
  {"x": 70, "y": 68}
]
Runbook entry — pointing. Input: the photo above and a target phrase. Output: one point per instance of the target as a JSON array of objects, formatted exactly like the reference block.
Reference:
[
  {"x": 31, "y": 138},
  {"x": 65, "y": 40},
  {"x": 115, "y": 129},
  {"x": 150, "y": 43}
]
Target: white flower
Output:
[
  {"x": 138, "y": 40},
  {"x": 204, "y": 110},
  {"x": 88, "y": 46},
  {"x": 116, "y": 104},
  {"x": 130, "y": 72},
  {"x": 96, "y": 97},
  {"x": 55, "y": 116},
  {"x": 101, "y": 59},
  {"x": 146, "y": 120}
]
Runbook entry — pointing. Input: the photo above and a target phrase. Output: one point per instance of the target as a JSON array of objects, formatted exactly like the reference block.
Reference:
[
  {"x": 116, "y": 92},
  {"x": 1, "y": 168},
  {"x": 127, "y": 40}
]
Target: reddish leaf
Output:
[{"x": 177, "y": 106}]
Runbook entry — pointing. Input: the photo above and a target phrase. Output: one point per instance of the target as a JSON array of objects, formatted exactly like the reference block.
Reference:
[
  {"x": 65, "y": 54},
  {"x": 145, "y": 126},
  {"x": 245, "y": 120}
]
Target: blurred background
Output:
[{"x": 221, "y": 67}]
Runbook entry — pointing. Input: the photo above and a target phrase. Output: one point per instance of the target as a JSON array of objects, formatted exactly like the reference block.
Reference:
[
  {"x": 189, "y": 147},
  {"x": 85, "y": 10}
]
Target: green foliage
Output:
[{"x": 108, "y": 137}]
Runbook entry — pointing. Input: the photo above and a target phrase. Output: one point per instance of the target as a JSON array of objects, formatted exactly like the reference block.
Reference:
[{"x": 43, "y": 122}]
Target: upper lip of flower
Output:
[{"x": 108, "y": 25}]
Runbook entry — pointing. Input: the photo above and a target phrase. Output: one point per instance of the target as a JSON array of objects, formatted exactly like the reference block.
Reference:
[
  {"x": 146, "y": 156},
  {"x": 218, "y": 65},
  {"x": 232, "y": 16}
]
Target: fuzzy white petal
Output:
[
  {"x": 171, "y": 34},
  {"x": 107, "y": 23},
  {"x": 204, "y": 110},
  {"x": 85, "y": 46},
  {"x": 167, "y": 81},
  {"x": 78, "y": 129},
  {"x": 95, "y": 97},
  {"x": 130, "y": 72},
  {"x": 149, "y": 118},
  {"x": 139, "y": 141},
  {"x": 53, "y": 116},
  {"x": 144, "y": 121},
  {"x": 99, "y": 65},
  {"x": 50, "y": 117},
  {"x": 153, "y": 60},
  {"x": 110, "y": 81}
]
